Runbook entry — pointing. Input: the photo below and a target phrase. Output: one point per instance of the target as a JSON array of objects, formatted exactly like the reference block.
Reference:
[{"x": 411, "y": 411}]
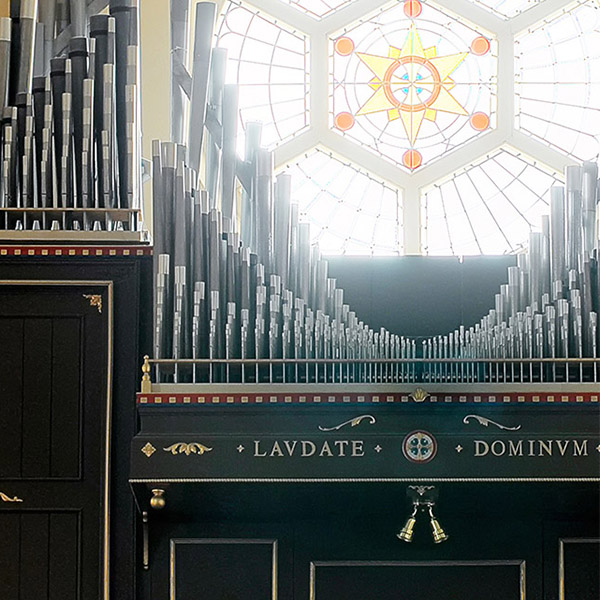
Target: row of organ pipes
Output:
[
  {"x": 241, "y": 295},
  {"x": 70, "y": 135}
]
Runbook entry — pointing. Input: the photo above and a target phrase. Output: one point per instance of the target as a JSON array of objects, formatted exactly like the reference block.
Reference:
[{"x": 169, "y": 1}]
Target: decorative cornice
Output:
[
  {"x": 325, "y": 398},
  {"x": 87, "y": 251}
]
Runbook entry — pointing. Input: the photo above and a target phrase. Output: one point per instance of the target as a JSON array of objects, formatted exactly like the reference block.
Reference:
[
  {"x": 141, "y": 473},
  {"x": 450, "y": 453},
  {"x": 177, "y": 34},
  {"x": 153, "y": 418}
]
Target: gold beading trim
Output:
[{"x": 369, "y": 480}]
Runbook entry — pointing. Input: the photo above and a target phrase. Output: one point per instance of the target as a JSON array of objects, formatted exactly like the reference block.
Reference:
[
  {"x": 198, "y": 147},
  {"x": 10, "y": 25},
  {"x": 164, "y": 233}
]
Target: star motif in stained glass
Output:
[
  {"x": 431, "y": 93},
  {"x": 412, "y": 84}
]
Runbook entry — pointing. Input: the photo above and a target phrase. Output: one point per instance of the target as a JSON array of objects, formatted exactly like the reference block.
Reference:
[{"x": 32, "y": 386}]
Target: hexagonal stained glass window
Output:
[
  {"x": 488, "y": 207},
  {"x": 412, "y": 83},
  {"x": 269, "y": 61},
  {"x": 558, "y": 81},
  {"x": 508, "y": 8},
  {"x": 349, "y": 210},
  {"x": 317, "y": 8}
]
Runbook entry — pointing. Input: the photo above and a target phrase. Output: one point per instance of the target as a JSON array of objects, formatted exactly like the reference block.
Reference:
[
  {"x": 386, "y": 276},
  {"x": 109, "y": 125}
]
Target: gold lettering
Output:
[
  {"x": 562, "y": 448},
  {"x": 515, "y": 449},
  {"x": 357, "y": 448},
  {"x": 257, "y": 448},
  {"x": 276, "y": 450},
  {"x": 580, "y": 450},
  {"x": 545, "y": 446},
  {"x": 305, "y": 448},
  {"x": 290, "y": 446},
  {"x": 481, "y": 448},
  {"x": 341, "y": 445},
  {"x": 498, "y": 444},
  {"x": 531, "y": 447},
  {"x": 325, "y": 450}
]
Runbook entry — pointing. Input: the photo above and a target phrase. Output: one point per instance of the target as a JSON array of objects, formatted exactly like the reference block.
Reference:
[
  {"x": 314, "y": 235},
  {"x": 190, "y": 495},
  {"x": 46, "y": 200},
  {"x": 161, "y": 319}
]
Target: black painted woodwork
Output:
[
  {"x": 53, "y": 381},
  {"x": 338, "y": 540},
  {"x": 53, "y": 427},
  {"x": 420, "y": 295}
]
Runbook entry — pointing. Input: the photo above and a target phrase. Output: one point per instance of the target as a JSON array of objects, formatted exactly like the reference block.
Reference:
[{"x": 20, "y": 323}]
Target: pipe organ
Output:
[
  {"x": 241, "y": 295},
  {"x": 71, "y": 137}
]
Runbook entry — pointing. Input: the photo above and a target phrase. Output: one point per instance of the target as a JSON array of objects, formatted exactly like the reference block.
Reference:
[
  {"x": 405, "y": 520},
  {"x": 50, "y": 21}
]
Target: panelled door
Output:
[{"x": 55, "y": 367}]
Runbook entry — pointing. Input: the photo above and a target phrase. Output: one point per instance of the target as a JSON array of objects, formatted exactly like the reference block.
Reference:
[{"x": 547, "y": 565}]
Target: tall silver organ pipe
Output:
[
  {"x": 273, "y": 313},
  {"x": 70, "y": 155}
]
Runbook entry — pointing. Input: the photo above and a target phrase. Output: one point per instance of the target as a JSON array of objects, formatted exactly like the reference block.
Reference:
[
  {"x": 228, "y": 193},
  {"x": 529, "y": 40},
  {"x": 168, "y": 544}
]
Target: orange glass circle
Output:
[
  {"x": 480, "y": 46},
  {"x": 480, "y": 121},
  {"x": 412, "y": 159},
  {"x": 412, "y": 8},
  {"x": 344, "y": 46},
  {"x": 344, "y": 121}
]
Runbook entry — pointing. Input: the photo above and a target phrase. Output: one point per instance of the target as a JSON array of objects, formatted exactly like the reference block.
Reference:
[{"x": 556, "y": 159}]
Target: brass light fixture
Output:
[
  {"x": 439, "y": 535},
  {"x": 406, "y": 535},
  {"x": 423, "y": 499}
]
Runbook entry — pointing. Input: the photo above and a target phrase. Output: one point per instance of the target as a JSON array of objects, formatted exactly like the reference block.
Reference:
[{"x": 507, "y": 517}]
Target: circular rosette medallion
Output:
[{"x": 419, "y": 447}]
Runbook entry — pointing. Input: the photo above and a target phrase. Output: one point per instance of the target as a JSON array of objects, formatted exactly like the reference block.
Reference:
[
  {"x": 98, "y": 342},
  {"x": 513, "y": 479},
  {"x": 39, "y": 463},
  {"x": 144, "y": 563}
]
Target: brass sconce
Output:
[{"x": 423, "y": 500}]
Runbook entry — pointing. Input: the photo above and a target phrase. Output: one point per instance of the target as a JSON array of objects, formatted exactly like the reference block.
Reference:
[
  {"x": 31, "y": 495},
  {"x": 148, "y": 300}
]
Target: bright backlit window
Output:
[{"x": 410, "y": 128}]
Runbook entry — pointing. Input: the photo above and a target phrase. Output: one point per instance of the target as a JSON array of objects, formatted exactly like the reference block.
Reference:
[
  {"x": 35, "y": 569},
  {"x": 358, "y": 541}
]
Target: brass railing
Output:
[{"x": 373, "y": 371}]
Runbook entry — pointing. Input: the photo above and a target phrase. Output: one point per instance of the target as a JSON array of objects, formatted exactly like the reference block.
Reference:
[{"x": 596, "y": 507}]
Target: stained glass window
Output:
[
  {"x": 401, "y": 108},
  {"x": 269, "y": 61},
  {"x": 488, "y": 207},
  {"x": 350, "y": 211},
  {"x": 317, "y": 8},
  {"x": 558, "y": 81},
  {"x": 412, "y": 82},
  {"x": 508, "y": 8}
]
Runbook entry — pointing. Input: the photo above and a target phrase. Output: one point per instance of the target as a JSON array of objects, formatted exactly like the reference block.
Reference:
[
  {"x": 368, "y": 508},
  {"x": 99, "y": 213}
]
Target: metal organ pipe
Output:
[{"x": 239, "y": 284}]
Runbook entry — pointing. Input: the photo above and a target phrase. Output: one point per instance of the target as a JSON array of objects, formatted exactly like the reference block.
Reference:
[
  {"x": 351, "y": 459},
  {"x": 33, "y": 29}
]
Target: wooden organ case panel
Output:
[
  {"x": 70, "y": 331},
  {"x": 55, "y": 409},
  {"x": 222, "y": 475}
]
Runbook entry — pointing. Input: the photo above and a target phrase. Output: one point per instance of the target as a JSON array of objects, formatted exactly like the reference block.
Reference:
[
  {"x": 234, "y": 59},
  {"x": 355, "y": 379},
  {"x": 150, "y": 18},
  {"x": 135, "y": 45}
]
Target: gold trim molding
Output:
[
  {"x": 216, "y": 541},
  {"x": 6, "y": 498},
  {"x": 366, "y": 480},
  {"x": 95, "y": 300},
  {"x": 187, "y": 448},
  {"x": 148, "y": 449},
  {"x": 425, "y": 563},
  {"x": 419, "y": 395},
  {"x": 561, "y": 560},
  {"x": 485, "y": 422},
  {"x": 352, "y": 422}
]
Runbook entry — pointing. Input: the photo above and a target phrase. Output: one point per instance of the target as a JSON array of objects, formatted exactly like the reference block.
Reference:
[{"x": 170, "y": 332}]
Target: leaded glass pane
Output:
[
  {"x": 269, "y": 61},
  {"x": 488, "y": 207},
  {"x": 508, "y": 8},
  {"x": 317, "y": 8},
  {"x": 350, "y": 211},
  {"x": 558, "y": 81}
]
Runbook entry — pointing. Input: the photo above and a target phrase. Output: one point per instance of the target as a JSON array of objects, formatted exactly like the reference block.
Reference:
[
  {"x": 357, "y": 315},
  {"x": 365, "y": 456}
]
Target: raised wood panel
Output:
[
  {"x": 55, "y": 403},
  {"x": 223, "y": 569},
  {"x": 40, "y": 411},
  {"x": 39, "y": 555},
  {"x": 579, "y": 569},
  {"x": 11, "y": 386},
  {"x": 412, "y": 580}
]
